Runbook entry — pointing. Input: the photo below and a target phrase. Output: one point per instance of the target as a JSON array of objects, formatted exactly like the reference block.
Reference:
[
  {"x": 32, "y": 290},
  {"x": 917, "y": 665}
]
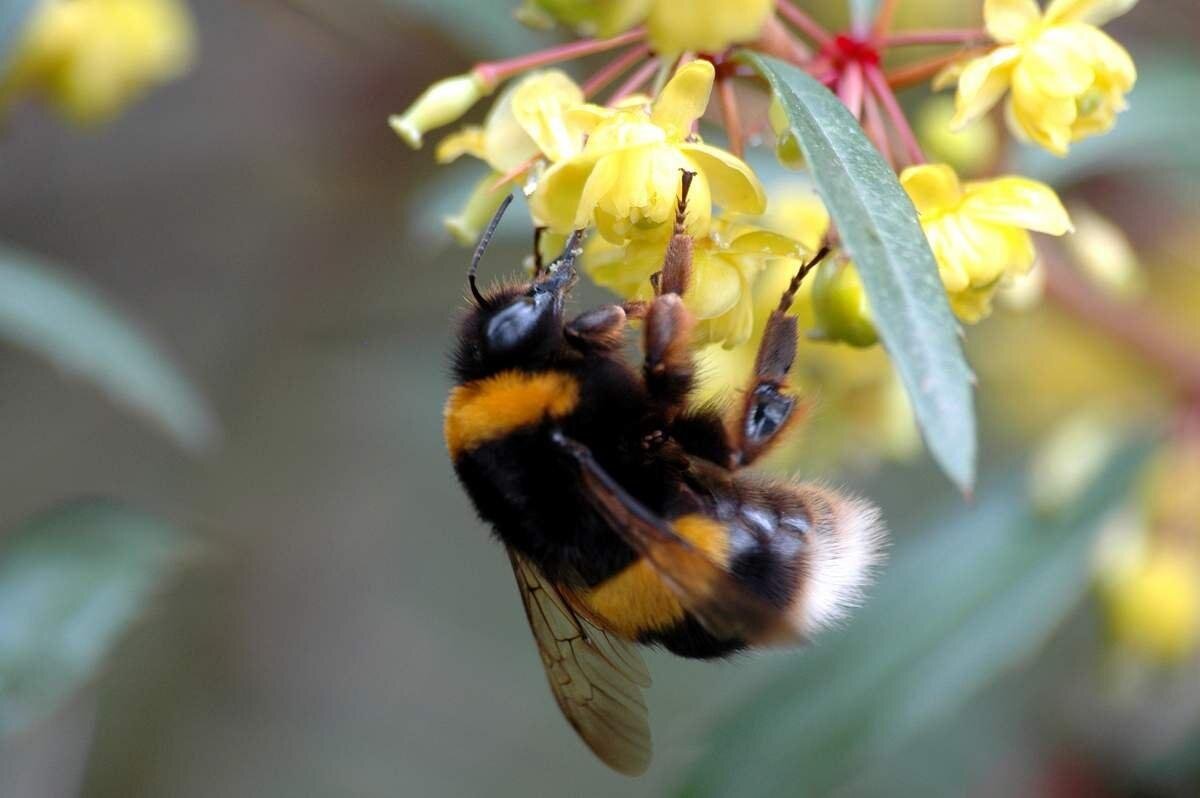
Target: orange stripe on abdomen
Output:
[
  {"x": 488, "y": 409},
  {"x": 635, "y": 600}
]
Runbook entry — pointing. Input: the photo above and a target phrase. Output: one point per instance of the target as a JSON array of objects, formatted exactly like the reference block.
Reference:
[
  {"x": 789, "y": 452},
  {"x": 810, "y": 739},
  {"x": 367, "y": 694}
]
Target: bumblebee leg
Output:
[
  {"x": 768, "y": 405},
  {"x": 601, "y": 328},
  {"x": 705, "y": 589},
  {"x": 668, "y": 369},
  {"x": 539, "y": 263}
]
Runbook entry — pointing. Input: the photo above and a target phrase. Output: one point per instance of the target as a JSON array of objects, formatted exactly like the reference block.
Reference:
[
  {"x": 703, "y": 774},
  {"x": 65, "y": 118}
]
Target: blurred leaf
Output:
[
  {"x": 13, "y": 16},
  {"x": 65, "y": 321},
  {"x": 879, "y": 226},
  {"x": 71, "y": 580},
  {"x": 1141, "y": 139},
  {"x": 482, "y": 30},
  {"x": 959, "y": 606}
]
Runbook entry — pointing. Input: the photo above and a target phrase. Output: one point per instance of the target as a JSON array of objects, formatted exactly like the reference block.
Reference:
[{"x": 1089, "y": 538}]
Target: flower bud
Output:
[
  {"x": 787, "y": 147},
  {"x": 840, "y": 304},
  {"x": 1104, "y": 254},
  {"x": 467, "y": 225},
  {"x": 440, "y": 104}
]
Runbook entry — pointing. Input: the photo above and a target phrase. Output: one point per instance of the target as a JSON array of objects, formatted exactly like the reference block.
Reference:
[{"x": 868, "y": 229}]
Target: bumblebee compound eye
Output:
[{"x": 520, "y": 325}]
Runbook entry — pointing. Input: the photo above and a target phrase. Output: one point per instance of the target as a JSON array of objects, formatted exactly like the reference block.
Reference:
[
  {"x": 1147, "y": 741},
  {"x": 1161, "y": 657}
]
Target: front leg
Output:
[{"x": 769, "y": 407}]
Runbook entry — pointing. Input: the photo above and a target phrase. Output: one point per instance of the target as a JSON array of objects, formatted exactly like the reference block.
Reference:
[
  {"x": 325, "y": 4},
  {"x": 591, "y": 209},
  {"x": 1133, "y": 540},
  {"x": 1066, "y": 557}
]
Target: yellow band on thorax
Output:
[{"x": 488, "y": 409}]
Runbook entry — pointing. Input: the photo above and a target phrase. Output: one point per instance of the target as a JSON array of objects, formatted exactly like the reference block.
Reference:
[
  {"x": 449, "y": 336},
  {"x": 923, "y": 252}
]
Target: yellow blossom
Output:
[
  {"x": 1068, "y": 79},
  {"x": 969, "y": 150},
  {"x": 627, "y": 177},
  {"x": 92, "y": 57},
  {"x": 698, "y": 26},
  {"x": 725, "y": 266},
  {"x": 1152, "y": 600},
  {"x": 840, "y": 304},
  {"x": 1103, "y": 254},
  {"x": 979, "y": 231}
]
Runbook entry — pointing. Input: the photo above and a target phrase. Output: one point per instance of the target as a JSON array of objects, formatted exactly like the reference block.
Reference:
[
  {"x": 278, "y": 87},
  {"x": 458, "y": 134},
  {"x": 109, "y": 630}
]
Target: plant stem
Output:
[
  {"x": 850, "y": 88},
  {"x": 876, "y": 130},
  {"x": 807, "y": 25},
  {"x": 1135, "y": 326},
  {"x": 949, "y": 36},
  {"x": 731, "y": 116},
  {"x": 883, "y": 19},
  {"x": 493, "y": 73},
  {"x": 922, "y": 71},
  {"x": 894, "y": 114},
  {"x": 778, "y": 41},
  {"x": 614, "y": 69},
  {"x": 635, "y": 81}
]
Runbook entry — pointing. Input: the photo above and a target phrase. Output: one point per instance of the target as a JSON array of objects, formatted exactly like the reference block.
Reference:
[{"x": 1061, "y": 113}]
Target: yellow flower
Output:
[
  {"x": 970, "y": 150},
  {"x": 1152, "y": 600},
  {"x": 979, "y": 232},
  {"x": 840, "y": 305},
  {"x": 627, "y": 177},
  {"x": 699, "y": 26},
  {"x": 1068, "y": 79},
  {"x": 92, "y": 57},
  {"x": 725, "y": 266},
  {"x": 1103, "y": 254}
]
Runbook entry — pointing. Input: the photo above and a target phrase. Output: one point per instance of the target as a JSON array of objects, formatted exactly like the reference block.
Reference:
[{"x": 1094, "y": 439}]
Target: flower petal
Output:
[
  {"x": 465, "y": 141},
  {"x": 715, "y": 286},
  {"x": 733, "y": 183},
  {"x": 1009, "y": 21},
  {"x": 555, "y": 200},
  {"x": 982, "y": 83},
  {"x": 766, "y": 243},
  {"x": 540, "y": 103},
  {"x": 1094, "y": 12},
  {"x": 933, "y": 188},
  {"x": 1017, "y": 201},
  {"x": 1053, "y": 64},
  {"x": 684, "y": 99}
]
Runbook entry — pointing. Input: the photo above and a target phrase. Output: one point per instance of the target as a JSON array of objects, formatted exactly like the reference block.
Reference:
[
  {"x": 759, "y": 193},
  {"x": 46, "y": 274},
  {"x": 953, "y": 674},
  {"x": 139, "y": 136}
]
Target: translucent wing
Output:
[{"x": 595, "y": 678}]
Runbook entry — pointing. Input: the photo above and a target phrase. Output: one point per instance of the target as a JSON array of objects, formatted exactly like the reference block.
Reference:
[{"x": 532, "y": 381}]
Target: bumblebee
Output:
[{"x": 623, "y": 508}]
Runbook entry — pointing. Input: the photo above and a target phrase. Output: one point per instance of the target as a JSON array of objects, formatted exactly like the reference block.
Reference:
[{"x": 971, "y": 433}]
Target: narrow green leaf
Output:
[
  {"x": 71, "y": 581},
  {"x": 14, "y": 14},
  {"x": 65, "y": 321},
  {"x": 878, "y": 224},
  {"x": 957, "y": 608}
]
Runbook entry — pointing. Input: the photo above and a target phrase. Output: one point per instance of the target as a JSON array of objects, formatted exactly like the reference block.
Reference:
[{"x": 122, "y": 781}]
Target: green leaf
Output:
[
  {"x": 14, "y": 14},
  {"x": 879, "y": 227},
  {"x": 957, "y": 608},
  {"x": 71, "y": 581},
  {"x": 65, "y": 321}
]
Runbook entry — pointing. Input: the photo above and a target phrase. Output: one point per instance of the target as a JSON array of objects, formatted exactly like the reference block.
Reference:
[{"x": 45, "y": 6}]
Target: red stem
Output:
[
  {"x": 614, "y": 69},
  {"x": 883, "y": 19},
  {"x": 731, "y": 116},
  {"x": 850, "y": 88},
  {"x": 876, "y": 130},
  {"x": 635, "y": 81},
  {"x": 894, "y": 113},
  {"x": 921, "y": 71},
  {"x": 807, "y": 25},
  {"x": 954, "y": 36},
  {"x": 493, "y": 73}
]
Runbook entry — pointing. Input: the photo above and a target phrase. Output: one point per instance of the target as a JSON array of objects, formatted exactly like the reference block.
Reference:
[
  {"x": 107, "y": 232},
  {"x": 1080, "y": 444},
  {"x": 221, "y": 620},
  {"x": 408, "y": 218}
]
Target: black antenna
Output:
[{"x": 482, "y": 246}]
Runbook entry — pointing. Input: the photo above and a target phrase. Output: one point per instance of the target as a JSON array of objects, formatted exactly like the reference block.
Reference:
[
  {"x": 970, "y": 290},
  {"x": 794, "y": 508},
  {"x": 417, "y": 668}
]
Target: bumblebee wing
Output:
[
  {"x": 595, "y": 678},
  {"x": 705, "y": 589}
]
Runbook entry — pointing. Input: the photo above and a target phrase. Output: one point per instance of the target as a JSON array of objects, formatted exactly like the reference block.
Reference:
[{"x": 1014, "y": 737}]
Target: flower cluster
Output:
[
  {"x": 615, "y": 166},
  {"x": 90, "y": 58}
]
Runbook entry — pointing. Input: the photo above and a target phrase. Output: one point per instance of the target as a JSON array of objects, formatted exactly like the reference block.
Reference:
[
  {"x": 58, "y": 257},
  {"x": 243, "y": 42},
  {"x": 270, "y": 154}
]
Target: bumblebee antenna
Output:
[{"x": 482, "y": 246}]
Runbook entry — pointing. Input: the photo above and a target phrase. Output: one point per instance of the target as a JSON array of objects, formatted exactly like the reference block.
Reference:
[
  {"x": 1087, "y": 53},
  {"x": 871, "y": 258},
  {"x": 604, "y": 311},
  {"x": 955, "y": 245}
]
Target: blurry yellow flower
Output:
[
  {"x": 1067, "y": 462},
  {"x": 528, "y": 119},
  {"x": 969, "y": 150},
  {"x": 627, "y": 177},
  {"x": 92, "y": 57},
  {"x": 1068, "y": 79},
  {"x": 979, "y": 232},
  {"x": 1102, "y": 252},
  {"x": 699, "y": 26},
  {"x": 840, "y": 304},
  {"x": 725, "y": 266},
  {"x": 1152, "y": 600}
]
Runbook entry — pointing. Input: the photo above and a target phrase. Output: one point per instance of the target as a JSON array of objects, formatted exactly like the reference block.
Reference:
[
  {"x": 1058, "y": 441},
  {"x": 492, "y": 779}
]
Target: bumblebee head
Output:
[{"x": 515, "y": 326}]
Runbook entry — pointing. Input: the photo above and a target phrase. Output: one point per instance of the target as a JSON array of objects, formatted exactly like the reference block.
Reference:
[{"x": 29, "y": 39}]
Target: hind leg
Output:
[{"x": 769, "y": 407}]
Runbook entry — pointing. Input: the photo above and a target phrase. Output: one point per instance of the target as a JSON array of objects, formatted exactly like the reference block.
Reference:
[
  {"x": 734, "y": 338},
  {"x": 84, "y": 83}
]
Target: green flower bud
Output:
[
  {"x": 440, "y": 104},
  {"x": 787, "y": 146},
  {"x": 467, "y": 225},
  {"x": 840, "y": 304}
]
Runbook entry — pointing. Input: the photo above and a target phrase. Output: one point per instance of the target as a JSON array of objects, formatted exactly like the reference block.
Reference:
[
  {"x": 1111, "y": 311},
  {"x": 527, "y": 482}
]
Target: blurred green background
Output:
[{"x": 344, "y": 625}]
